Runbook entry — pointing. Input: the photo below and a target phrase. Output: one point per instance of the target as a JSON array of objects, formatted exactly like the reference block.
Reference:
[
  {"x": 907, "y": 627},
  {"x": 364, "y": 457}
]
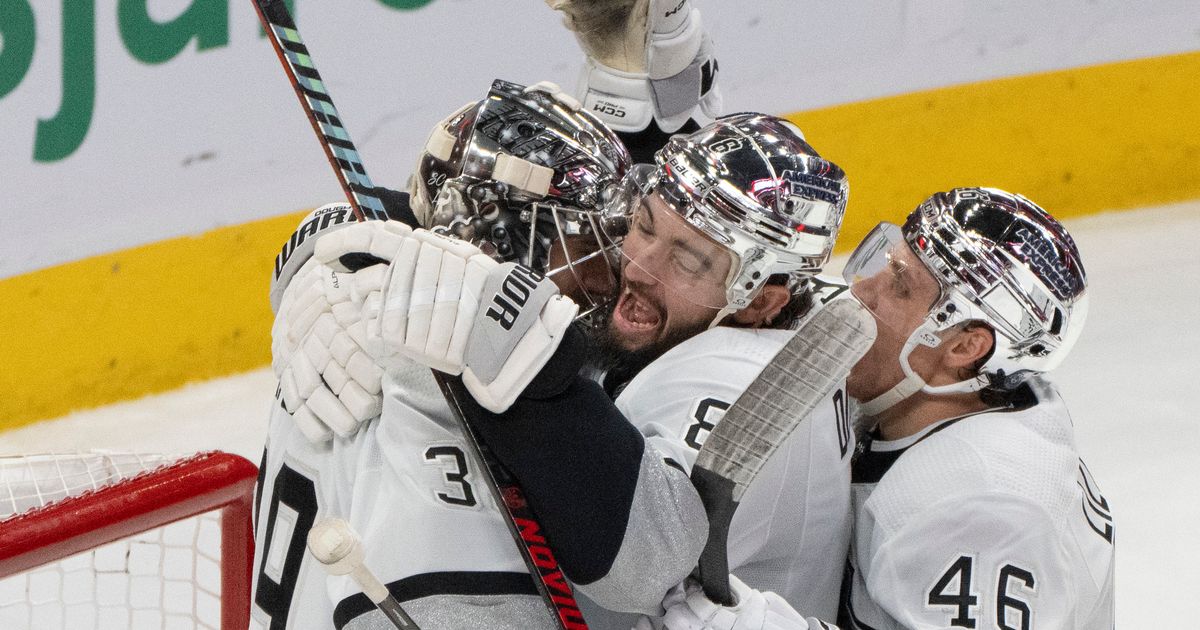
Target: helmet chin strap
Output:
[
  {"x": 722, "y": 314},
  {"x": 912, "y": 383}
]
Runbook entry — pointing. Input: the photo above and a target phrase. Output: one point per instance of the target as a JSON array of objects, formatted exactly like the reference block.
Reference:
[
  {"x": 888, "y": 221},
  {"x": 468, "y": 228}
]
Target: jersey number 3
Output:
[{"x": 454, "y": 467}]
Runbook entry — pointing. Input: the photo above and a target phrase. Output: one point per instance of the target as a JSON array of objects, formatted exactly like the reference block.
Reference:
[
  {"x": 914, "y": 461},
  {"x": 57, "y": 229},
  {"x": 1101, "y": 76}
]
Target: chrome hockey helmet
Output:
[
  {"x": 999, "y": 259},
  {"x": 753, "y": 184},
  {"x": 518, "y": 171}
]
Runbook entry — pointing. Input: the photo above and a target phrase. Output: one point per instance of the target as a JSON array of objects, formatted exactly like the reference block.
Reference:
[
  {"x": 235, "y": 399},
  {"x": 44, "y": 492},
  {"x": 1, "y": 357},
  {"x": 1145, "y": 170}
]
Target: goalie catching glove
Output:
[
  {"x": 451, "y": 307},
  {"x": 329, "y": 372}
]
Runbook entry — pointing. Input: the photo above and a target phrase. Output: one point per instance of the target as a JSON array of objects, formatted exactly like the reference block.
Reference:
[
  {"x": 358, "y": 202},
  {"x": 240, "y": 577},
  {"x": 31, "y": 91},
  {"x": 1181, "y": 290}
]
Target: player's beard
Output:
[{"x": 617, "y": 365}]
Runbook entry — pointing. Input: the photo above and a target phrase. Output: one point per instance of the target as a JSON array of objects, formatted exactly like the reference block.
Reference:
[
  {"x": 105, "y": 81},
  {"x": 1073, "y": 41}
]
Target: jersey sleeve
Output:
[
  {"x": 585, "y": 470},
  {"x": 989, "y": 560}
]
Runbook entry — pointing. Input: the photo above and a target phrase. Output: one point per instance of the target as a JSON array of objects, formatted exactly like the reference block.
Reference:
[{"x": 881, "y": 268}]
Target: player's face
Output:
[
  {"x": 672, "y": 278},
  {"x": 900, "y": 296}
]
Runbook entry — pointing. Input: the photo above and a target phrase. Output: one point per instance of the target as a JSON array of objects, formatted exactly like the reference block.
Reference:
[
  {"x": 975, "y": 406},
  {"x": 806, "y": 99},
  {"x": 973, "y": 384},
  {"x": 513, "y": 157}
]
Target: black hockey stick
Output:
[
  {"x": 335, "y": 140},
  {"x": 801, "y": 375}
]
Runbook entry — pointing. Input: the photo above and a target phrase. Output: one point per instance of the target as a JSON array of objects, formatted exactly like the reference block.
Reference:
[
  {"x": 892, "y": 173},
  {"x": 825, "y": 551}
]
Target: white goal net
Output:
[{"x": 120, "y": 540}]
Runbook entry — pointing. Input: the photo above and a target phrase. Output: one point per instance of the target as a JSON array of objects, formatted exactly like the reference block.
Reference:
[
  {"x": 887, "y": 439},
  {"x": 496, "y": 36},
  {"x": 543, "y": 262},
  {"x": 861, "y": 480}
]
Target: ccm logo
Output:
[
  {"x": 604, "y": 107},
  {"x": 514, "y": 292}
]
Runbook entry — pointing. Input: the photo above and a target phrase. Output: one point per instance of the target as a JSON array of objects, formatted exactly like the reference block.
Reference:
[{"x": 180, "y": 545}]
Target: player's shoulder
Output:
[
  {"x": 725, "y": 343},
  {"x": 717, "y": 364},
  {"x": 1026, "y": 454}
]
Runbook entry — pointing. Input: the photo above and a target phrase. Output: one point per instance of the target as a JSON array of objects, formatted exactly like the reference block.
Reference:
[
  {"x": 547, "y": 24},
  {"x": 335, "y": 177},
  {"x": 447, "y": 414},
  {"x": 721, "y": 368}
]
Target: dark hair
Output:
[{"x": 795, "y": 308}]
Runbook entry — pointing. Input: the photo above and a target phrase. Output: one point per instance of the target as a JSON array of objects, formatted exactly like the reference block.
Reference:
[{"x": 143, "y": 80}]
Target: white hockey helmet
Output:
[
  {"x": 998, "y": 259},
  {"x": 753, "y": 184},
  {"x": 518, "y": 171}
]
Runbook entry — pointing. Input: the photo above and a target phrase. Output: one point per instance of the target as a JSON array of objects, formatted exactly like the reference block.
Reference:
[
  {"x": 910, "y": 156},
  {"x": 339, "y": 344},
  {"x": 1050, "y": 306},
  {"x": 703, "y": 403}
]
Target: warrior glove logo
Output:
[{"x": 514, "y": 293}]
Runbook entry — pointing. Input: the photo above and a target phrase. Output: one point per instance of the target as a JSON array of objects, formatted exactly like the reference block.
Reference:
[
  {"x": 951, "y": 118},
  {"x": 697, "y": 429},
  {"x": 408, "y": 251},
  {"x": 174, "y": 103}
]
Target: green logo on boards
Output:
[{"x": 147, "y": 40}]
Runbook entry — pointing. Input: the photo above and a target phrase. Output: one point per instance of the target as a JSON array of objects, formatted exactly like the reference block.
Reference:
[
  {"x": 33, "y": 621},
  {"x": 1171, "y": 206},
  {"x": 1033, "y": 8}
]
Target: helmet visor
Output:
[{"x": 887, "y": 277}]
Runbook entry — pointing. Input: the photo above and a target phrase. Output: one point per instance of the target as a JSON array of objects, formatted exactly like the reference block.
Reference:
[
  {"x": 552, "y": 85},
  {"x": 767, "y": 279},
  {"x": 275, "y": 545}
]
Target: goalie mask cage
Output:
[{"x": 119, "y": 540}]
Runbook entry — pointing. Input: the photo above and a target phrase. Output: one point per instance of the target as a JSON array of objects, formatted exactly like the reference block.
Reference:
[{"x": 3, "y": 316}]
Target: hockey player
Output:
[
  {"x": 678, "y": 412},
  {"x": 431, "y": 531},
  {"x": 972, "y": 506},
  {"x": 612, "y": 495}
]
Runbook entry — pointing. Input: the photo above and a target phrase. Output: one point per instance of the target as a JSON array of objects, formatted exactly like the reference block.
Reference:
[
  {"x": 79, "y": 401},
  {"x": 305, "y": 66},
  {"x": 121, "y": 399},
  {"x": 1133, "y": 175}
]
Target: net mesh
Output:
[{"x": 167, "y": 577}]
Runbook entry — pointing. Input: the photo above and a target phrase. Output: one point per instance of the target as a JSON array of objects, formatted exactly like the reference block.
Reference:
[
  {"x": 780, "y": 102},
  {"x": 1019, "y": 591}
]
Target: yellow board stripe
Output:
[
  {"x": 138, "y": 321},
  {"x": 152, "y": 318},
  {"x": 1077, "y": 141}
]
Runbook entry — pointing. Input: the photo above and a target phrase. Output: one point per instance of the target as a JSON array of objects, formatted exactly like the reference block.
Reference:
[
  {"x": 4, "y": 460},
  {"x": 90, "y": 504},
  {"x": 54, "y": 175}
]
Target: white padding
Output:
[
  {"x": 313, "y": 429},
  {"x": 523, "y": 174},
  {"x": 360, "y": 404},
  {"x": 621, "y": 99},
  {"x": 342, "y": 348},
  {"x": 557, "y": 93},
  {"x": 335, "y": 377},
  {"x": 332, "y": 412},
  {"x": 440, "y": 143},
  {"x": 394, "y": 319},
  {"x": 669, "y": 54},
  {"x": 308, "y": 378}
]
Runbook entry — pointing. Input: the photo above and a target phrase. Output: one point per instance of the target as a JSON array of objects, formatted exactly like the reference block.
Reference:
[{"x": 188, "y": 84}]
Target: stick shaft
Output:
[{"x": 812, "y": 363}]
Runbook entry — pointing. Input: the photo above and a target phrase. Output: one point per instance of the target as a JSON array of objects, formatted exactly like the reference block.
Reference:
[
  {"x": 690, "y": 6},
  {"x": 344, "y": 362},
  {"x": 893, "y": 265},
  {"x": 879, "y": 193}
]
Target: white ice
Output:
[{"x": 1128, "y": 383}]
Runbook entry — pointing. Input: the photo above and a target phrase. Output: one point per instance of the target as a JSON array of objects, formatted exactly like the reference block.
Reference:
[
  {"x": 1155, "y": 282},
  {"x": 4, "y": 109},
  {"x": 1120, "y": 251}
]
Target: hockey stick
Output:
[
  {"x": 318, "y": 105},
  {"x": 806, "y": 369},
  {"x": 339, "y": 549},
  {"x": 335, "y": 140}
]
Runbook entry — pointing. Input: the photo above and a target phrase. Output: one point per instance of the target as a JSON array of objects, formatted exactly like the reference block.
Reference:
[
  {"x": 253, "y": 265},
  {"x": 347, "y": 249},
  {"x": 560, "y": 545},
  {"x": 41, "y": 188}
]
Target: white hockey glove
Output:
[
  {"x": 647, "y": 59},
  {"x": 449, "y": 306},
  {"x": 329, "y": 374},
  {"x": 299, "y": 247},
  {"x": 688, "y": 609}
]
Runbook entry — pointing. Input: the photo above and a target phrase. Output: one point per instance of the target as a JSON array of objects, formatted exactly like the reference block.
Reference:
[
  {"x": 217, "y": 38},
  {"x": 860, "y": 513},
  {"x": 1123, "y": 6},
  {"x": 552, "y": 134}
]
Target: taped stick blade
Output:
[{"x": 812, "y": 363}]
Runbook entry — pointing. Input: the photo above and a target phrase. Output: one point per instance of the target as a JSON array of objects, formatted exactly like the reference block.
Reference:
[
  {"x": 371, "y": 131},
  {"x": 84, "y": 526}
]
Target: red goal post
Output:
[{"x": 134, "y": 504}]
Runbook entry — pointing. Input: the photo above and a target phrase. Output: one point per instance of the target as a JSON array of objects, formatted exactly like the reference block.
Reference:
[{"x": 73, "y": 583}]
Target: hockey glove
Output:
[
  {"x": 688, "y": 609},
  {"x": 454, "y": 309},
  {"x": 647, "y": 60},
  {"x": 299, "y": 248},
  {"x": 329, "y": 374}
]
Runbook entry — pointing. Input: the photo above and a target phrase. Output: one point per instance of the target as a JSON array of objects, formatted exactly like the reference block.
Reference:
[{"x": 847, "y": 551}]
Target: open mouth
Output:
[{"x": 636, "y": 314}]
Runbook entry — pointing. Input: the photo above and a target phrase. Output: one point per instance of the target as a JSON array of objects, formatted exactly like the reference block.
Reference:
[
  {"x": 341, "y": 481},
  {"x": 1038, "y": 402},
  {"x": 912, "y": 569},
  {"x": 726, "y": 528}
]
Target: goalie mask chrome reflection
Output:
[
  {"x": 751, "y": 183},
  {"x": 998, "y": 259},
  {"x": 517, "y": 173}
]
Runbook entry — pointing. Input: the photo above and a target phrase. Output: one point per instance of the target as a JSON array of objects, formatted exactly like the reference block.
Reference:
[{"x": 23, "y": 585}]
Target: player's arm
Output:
[
  {"x": 985, "y": 560},
  {"x": 649, "y": 71},
  {"x": 611, "y": 480},
  {"x": 626, "y": 525}
]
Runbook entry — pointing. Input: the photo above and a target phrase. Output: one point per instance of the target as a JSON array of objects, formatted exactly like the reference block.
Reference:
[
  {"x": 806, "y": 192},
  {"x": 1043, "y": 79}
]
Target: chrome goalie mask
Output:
[
  {"x": 998, "y": 259},
  {"x": 751, "y": 183},
  {"x": 519, "y": 171}
]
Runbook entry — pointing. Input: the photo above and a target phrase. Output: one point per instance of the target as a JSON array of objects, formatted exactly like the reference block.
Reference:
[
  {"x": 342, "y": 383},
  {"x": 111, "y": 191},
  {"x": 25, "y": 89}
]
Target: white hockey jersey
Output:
[
  {"x": 985, "y": 521},
  {"x": 791, "y": 531},
  {"x": 430, "y": 528}
]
